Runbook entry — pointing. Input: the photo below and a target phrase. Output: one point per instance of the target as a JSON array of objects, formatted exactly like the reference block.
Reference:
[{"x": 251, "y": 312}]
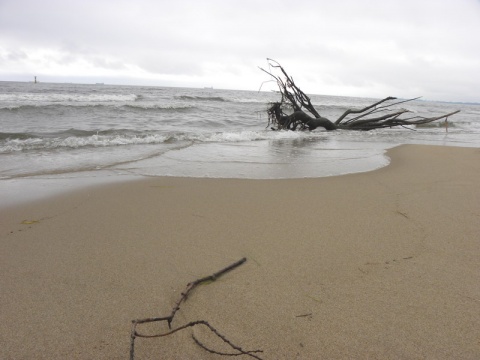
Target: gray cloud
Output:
[{"x": 342, "y": 47}]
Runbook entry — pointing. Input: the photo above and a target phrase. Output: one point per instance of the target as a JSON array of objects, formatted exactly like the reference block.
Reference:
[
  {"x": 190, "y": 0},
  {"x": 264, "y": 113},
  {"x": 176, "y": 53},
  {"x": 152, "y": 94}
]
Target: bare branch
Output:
[
  {"x": 380, "y": 109},
  {"x": 184, "y": 295},
  {"x": 239, "y": 349},
  {"x": 353, "y": 111},
  {"x": 192, "y": 285}
]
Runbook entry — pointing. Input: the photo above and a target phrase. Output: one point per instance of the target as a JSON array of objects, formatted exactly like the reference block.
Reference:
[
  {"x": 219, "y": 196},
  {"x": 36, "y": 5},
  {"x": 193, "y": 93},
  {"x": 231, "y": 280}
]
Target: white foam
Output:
[
  {"x": 14, "y": 145},
  {"x": 54, "y": 98}
]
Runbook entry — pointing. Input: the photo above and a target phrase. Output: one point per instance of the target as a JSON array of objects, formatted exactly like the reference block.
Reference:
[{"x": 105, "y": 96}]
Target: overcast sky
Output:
[{"x": 403, "y": 48}]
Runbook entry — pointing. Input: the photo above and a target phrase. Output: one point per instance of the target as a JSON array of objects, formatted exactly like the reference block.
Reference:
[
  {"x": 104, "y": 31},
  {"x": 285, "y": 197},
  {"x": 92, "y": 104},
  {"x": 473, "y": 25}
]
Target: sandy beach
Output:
[{"x": 377, "y": 265}]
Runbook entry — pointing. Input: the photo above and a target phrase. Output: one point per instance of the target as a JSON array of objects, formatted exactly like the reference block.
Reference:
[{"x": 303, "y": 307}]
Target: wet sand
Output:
[{"x": 377, "y": 265}]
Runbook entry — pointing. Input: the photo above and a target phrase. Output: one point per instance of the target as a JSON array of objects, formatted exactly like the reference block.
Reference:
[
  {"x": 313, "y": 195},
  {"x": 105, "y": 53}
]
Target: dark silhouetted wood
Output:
[{"x": 295, "y": 111}]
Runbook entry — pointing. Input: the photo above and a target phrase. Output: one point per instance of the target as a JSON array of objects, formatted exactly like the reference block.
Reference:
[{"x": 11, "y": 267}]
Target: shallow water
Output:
[{"x": 67, "y": 131}]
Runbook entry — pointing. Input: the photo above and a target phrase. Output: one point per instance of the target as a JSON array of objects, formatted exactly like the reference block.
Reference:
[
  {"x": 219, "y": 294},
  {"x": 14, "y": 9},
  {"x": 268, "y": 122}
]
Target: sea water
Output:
[{"x": 55, "y": 136}]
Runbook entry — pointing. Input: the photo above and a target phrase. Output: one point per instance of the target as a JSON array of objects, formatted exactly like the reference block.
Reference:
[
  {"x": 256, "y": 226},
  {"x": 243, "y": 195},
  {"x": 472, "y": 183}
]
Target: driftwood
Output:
[
  {"x": 238, "y": 351},
  {"x": 295, "y": 110}
]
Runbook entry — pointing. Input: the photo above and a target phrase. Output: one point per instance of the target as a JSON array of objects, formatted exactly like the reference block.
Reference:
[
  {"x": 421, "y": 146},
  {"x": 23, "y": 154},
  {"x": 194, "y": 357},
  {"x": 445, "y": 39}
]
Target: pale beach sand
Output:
[{"x": 378, "y": 265}]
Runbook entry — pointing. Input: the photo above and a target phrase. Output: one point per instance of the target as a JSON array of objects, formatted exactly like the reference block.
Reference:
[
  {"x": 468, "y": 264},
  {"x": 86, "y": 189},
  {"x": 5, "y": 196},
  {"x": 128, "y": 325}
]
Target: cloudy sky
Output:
[{"x": 403, "y": 48}]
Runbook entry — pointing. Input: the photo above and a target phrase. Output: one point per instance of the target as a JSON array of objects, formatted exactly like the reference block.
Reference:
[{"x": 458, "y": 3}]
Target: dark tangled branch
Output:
[
  {"x": 239, "y": 350},
  {"x": 192, "y": 285},
  {"x": 305, "y": 116},
  {"x": 184, "y": 295}
]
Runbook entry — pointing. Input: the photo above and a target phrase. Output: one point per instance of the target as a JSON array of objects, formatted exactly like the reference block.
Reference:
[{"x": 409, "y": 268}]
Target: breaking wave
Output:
[
  {"x": 132, "y": 107},
  {"x": 202, "y": 98},
  {"x": 74, "y": 138},
  {"x": 66, "y": 98}
]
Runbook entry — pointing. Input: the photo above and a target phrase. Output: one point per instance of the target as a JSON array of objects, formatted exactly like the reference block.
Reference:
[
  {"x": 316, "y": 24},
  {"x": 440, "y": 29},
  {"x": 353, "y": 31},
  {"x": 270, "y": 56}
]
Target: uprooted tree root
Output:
[
  {"x": 236, "y": 350},
  {"x": 305, "y": 117}
]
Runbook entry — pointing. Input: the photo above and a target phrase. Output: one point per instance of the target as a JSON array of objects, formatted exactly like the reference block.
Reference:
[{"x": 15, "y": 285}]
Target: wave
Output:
[
  {"x": 132, "y": 107},
  {"x": 161, "y": 108},
  {"x": 66, "y": 98},
  {"x": 26, "y": 107},
  {"x": 75, "y": 139},
  {"x": 66, "y": 133},
  {"x": 75, "y": 142},
  {"x": 16, "y": 136},
  {"x": 202, "y": 98},
  {"x": 251, "y": 101}
]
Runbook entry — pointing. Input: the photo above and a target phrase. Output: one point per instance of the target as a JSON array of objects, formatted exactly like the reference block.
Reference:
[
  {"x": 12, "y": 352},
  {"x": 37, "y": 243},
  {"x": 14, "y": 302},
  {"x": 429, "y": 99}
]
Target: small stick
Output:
[
  {"x": 303, "y": 315},
  {"x": 192, "y": 285},
  {"x": 184, "y": 295}
]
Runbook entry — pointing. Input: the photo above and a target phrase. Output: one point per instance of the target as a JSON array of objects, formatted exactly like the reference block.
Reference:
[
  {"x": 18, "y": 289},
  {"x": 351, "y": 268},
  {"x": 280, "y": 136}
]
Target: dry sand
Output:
[{"x": 378, "y": 265}]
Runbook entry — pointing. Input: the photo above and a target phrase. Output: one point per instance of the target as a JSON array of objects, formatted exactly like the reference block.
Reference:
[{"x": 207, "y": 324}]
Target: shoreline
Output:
[
  {"x": 379, "y": 264},
  {"x": 22, "y": 190}
]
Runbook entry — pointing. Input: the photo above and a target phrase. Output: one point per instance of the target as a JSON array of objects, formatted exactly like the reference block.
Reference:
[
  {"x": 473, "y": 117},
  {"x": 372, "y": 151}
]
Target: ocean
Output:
[{"x": 55, "y": 137}]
